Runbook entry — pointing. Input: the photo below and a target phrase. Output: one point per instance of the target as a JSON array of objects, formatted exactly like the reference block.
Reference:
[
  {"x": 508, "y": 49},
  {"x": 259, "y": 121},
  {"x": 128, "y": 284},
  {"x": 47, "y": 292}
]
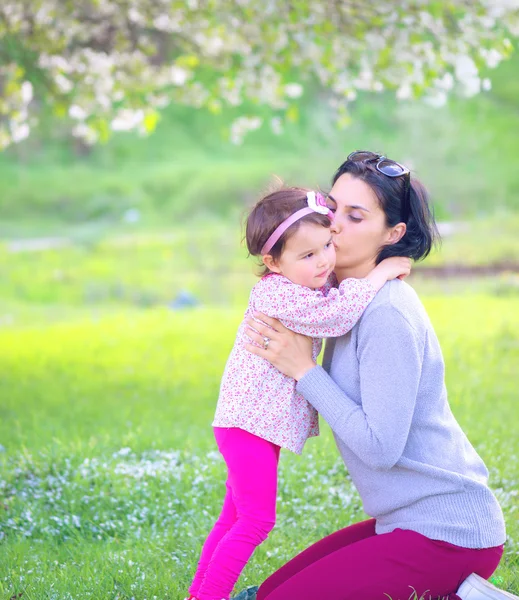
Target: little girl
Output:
[{"x": 258, "y": 409}]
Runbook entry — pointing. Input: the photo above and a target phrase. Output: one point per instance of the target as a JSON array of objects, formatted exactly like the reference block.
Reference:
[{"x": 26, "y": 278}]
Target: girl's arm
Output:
[{"x": 310, "y": 312}]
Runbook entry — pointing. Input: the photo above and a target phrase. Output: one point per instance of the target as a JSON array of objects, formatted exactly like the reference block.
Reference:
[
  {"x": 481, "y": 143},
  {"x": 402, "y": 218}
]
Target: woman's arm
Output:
[{"x": 390, "y": 354}]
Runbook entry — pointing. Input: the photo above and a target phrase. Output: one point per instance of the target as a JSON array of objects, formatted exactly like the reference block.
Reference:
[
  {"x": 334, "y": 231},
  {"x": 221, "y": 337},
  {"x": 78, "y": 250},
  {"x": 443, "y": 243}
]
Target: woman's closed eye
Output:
[{"x": 354, "y": 218}]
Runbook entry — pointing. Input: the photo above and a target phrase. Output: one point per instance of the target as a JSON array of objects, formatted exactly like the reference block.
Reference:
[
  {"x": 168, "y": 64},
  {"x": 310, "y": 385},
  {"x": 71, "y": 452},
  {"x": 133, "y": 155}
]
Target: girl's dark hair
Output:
[
  {"x": 422, "y": 233},
  {"x": 269, "y": 212}
]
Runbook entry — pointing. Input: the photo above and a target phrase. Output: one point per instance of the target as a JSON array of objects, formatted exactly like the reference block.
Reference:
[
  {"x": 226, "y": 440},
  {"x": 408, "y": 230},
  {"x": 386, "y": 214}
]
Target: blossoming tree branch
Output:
[{"x": 108, "y": 65}]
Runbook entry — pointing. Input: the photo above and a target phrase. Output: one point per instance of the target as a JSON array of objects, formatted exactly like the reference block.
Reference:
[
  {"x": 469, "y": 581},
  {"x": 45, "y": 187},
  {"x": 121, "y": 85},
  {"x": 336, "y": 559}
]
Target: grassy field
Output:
[
  {"x": 207, "y": 260},
  {"x": 109, "y": 475}
]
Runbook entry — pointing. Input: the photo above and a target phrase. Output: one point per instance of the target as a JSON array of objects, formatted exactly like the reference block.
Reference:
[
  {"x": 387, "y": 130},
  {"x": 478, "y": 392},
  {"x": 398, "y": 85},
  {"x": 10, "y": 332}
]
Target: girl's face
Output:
[
  {"x": 359, "y": 228},
  {"x": 308, "y": 257}
]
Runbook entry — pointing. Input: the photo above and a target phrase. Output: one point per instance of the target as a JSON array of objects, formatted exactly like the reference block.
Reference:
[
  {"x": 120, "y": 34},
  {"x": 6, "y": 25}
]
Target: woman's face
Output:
[{"x": 359, "y": 228}]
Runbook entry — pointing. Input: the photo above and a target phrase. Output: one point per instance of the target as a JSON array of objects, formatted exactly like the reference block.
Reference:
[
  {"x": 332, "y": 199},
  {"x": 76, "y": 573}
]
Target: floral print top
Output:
[{"x": 254, "y": 395}]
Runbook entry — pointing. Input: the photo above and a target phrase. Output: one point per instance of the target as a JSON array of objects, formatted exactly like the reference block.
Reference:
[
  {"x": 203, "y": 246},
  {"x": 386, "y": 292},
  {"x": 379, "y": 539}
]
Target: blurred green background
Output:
[
  {"x": 122, "y": 281},
  {"x": 137, "y": 220}
]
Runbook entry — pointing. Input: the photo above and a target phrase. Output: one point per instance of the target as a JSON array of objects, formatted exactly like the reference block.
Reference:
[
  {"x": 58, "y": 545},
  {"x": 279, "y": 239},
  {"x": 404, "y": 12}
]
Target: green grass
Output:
[{"x": 110, "y": 478}]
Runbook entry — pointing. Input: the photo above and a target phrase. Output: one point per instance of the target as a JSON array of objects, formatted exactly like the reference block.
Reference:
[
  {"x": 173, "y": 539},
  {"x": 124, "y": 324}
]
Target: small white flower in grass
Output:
[
  {"x": 123, "y": 452},
  {"x": 214, "y": 456}
]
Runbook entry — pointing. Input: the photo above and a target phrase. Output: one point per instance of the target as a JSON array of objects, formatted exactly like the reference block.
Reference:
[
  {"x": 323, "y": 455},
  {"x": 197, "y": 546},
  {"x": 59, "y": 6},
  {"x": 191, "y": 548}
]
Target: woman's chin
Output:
[{"x": 342, "y": 264}]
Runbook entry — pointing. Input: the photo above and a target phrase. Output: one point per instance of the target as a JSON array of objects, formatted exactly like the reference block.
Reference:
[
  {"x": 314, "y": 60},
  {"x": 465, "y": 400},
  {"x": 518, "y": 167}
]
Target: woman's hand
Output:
[{"x": 289, "y": 352}]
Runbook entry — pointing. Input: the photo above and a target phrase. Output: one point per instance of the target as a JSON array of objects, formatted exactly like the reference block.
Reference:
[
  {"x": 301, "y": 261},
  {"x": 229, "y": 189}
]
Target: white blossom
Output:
[
  {"x": 241, "y": 126},
  {"x": 293, "y": 90},
  {"x": 178, "y": 75},
  {"x": 100, "y": 64},
  {"x": 127, "y": 119},
  {"x": 19, "y": 131},
  {"x": 27, "y": 92},
  {"x": 486, "y": 84},
  {"x": 77, "y": 113},
  {"x": 436, "y": 98}
]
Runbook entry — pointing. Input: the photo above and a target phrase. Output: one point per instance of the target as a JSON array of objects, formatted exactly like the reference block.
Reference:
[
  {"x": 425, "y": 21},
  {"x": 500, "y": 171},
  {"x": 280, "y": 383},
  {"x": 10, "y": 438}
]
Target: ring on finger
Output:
[{"x": 266, "y": 342}]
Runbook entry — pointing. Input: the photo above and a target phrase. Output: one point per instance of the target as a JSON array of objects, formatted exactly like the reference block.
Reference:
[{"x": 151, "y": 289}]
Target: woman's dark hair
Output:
[
  {"x": 422, "y": 233},
  {"x": 269, "y": 212}
]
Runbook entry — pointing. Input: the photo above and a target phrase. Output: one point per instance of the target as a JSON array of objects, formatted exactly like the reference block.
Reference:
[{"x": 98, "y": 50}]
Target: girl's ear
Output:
[
  {"x": 271, "y": 263},
  {"x": 396, "y": 234}
]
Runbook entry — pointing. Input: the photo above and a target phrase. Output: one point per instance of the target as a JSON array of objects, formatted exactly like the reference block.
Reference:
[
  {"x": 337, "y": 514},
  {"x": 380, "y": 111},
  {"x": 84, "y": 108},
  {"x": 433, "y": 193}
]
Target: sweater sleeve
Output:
[
  {"x": 390, "y": 354},
  {"x": 312, "y": 313}
]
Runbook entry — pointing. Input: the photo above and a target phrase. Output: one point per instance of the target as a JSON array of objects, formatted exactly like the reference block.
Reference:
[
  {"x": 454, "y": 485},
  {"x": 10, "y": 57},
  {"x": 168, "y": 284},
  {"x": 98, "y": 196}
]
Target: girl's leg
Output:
[
  {"x": 252, "y": 465},
  {"x": 331, "y": 543},
  {"x": 225, "y": 521},
  {"x": 393, "y": 564}
]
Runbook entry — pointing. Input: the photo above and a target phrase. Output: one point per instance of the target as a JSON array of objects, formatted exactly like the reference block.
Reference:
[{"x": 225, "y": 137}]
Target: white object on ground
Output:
[{"x": 477, "y": 588}]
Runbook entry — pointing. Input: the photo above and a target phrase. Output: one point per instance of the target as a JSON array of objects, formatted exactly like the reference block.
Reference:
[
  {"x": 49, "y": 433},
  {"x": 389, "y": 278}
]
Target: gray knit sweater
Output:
[{"x": 382, "y": 392}]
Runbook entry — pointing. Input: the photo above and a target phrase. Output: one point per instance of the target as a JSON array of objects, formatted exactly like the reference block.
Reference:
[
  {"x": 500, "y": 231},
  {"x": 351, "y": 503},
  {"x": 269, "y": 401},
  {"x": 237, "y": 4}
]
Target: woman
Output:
[{"x": 381, "y": 389}]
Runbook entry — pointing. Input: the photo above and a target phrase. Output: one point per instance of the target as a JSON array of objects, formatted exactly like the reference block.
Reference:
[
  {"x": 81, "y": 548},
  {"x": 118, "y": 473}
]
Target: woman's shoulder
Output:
[{"x": 397, "y": 300}]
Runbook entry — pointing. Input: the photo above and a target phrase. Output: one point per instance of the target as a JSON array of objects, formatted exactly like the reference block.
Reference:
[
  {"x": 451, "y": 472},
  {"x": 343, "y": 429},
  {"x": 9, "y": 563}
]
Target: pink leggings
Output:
[
  {"x": 248, "y": 514},
  {"x": 355, "y": 563}
]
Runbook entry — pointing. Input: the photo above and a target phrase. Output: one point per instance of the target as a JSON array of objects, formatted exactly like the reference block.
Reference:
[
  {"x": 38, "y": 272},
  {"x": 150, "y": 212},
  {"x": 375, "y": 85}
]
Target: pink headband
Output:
[{"x": 316, "y": 203}]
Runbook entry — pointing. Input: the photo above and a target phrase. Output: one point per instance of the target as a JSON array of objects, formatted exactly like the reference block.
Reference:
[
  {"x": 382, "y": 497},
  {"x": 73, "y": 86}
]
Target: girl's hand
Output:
[
  {"x": 396, "y": 267},
  {"x": 289, "y": 352}
]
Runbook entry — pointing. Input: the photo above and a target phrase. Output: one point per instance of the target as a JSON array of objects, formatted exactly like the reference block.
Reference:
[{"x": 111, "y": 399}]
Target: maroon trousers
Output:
[{"x": 356, "y": 564}]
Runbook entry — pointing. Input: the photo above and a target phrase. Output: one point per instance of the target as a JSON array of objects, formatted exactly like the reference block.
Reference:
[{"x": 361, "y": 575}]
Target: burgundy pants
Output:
[{"x": 356, "y": 564}]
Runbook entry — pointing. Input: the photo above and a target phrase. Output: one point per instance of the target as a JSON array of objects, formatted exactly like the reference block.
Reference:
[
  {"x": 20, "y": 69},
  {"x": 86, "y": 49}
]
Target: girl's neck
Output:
[{"x": 358, "y": 271}]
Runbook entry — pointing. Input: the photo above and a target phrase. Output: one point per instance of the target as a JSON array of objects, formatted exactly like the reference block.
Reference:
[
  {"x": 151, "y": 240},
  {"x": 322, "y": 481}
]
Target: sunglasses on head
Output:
[{"x": 390, "y": 168}]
